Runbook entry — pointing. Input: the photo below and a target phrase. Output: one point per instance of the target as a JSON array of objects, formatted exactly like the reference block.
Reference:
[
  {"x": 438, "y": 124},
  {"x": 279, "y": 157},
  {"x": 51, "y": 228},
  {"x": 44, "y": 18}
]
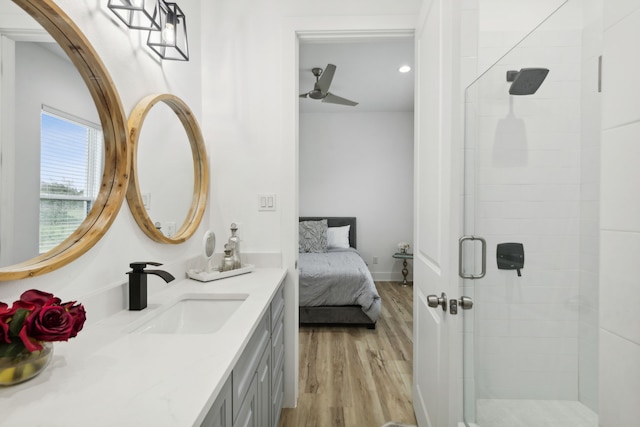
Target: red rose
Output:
[
  {"x": 38, "y": 298},
  {"x": 51, "y": 322},
  {"x": 22, "y": 324},
  {"x": 29, "y": 344},
  {"x": 36, "y": 317},
  {"x": 5, "y": 314},
  {"x": 77, "y": 314}
]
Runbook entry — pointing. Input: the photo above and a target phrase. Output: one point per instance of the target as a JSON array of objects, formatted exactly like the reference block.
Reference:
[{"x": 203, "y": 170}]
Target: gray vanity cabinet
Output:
[
  {"x": 248, "y": 411},
  {"x": 248, "y": 365},
  {"x": 252, "y": 396},
  {"x": 277, "y": 356},
  {"x": 264, "y": 388}
]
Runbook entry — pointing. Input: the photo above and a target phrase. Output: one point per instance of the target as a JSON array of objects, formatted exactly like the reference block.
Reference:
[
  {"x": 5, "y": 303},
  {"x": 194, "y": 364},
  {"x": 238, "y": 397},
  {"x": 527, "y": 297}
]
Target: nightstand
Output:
[{"x": 404, "y": 257}]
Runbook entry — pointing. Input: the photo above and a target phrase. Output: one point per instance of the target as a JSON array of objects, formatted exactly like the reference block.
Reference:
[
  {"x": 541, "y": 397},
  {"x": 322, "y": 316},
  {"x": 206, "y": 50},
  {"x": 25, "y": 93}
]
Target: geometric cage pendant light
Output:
[
  {"x": 170, "y": 42},
  {"x": 137, "y": 14}
]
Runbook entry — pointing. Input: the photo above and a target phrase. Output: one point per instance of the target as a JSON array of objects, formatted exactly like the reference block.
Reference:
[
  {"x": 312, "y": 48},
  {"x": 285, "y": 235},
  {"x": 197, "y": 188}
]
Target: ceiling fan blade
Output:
[
  {"x": 324, "y": 82},
  {"x": 333, "y": 99},
  {"x": 304, "y": 95}
]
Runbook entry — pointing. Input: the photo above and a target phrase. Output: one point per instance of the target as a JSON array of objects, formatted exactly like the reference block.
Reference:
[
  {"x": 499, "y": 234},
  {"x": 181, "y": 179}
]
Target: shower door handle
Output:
[{"x": 483, "y": 268}]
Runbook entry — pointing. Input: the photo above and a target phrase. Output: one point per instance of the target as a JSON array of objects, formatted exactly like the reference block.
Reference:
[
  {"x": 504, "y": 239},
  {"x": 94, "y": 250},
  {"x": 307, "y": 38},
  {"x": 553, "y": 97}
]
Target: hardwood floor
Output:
[{"x": 353, "y": 376}]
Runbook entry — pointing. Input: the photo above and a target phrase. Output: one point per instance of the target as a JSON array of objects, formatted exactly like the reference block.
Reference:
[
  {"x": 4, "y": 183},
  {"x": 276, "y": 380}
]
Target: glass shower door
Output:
[{"x": 531, "y": 177}]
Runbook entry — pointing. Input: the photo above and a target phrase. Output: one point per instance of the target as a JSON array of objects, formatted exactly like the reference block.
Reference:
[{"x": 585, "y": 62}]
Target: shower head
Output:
[{"x": 526, "y": 81}]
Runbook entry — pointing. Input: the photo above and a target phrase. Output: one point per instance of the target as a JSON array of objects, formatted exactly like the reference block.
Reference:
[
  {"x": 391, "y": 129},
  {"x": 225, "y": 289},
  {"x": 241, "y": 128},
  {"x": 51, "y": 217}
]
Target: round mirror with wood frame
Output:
[
  {"x": 200, "y": 169},
  {"x": 116, "y": 150}
]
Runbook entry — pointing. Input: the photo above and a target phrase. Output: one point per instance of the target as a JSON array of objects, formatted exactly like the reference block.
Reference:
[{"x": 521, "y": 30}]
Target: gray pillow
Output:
[{"x": 312, "y": 236}]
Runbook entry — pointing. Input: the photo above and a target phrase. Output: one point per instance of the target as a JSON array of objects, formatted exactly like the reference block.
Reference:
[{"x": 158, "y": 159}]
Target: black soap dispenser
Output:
[{"x": 510, "y": 256}]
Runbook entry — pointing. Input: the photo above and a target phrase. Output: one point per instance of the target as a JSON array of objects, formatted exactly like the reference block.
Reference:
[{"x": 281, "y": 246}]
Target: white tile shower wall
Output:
[
  {"x": 528, "y": 183},
  {"x": 621, "y": 82},
  {"x": 619, "y": 335},
  {"x": 619, "y": 295},
  {"x": 590, "y": 206},
  {"x": 619, "y": 380}
]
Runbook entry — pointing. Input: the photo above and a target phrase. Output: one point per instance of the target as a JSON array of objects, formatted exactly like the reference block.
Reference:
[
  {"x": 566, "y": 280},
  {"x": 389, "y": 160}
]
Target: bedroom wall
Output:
[{"x": 361, "y": 164}]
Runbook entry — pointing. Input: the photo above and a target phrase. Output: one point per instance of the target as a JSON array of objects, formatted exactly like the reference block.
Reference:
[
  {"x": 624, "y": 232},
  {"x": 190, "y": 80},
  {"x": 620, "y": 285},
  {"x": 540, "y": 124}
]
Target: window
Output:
[{"x": 71, "y": 158}]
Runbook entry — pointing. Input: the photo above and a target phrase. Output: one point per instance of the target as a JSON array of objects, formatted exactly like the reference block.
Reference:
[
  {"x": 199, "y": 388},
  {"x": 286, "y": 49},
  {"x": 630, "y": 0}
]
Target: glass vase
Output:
[
  {"x": 234, "y": 241},
  {"x": 24, "y": 366}
]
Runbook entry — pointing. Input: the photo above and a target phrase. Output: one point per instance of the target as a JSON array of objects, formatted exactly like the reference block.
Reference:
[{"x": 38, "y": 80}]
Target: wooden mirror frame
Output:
[
  {"x": 200, "y": 169},
  {"x": 116, "y": 150}
]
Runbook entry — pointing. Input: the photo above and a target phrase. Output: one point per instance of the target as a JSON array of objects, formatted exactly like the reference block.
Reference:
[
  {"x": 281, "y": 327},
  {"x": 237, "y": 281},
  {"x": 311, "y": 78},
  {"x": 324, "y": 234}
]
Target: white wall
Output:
[
  {"x": 361, "y": 164},
  {"x": 619, "y": 296}
]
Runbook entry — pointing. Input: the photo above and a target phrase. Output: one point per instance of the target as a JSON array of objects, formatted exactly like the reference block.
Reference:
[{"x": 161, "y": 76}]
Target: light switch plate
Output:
[{"x": 266, "y": 202}]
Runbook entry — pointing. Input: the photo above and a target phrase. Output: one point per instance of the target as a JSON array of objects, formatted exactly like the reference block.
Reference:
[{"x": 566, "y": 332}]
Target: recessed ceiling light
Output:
[{"x": 404, "y": 69}]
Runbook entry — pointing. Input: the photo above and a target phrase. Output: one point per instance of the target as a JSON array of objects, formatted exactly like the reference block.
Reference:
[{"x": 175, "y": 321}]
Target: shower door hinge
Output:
[{"x": 599, "y": 73}]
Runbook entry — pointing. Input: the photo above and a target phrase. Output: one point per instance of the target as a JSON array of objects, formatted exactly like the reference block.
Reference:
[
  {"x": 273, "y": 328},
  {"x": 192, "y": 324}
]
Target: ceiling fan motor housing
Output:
[{"x": 317, "y": 94}]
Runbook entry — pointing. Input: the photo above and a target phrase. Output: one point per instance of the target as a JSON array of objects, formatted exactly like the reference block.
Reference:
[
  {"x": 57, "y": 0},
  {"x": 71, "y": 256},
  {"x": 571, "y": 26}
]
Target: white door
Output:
[{"x": 435, "y": 396}]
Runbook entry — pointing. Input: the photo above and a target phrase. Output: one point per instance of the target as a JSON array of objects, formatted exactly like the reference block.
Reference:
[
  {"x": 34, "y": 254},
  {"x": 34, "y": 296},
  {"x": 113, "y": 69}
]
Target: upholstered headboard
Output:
[{"x": 338, "y": 221}]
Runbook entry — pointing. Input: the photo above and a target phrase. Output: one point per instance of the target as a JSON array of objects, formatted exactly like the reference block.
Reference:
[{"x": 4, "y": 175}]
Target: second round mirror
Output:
[{"x": 169, "y": 179}]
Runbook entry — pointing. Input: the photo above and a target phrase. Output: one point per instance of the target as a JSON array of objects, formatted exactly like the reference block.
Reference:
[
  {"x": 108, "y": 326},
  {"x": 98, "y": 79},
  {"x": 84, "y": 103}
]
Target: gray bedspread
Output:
[{"x": 337, "y": 277}]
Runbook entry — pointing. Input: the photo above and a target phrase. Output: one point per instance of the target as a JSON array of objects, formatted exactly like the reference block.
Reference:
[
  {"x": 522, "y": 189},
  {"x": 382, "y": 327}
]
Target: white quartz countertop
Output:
[{"x": 107, "y": 376}]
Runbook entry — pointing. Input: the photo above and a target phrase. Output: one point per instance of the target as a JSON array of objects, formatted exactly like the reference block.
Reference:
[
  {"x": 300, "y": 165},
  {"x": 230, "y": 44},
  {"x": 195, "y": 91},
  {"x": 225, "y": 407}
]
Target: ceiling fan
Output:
[{"x": 321, "y": 87}]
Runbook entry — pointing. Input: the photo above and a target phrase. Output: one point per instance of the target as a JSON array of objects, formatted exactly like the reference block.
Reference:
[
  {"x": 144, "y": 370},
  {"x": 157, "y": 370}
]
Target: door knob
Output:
[
  {"x": 465, "y": 303},
  {"x": 434, "y": 301}
]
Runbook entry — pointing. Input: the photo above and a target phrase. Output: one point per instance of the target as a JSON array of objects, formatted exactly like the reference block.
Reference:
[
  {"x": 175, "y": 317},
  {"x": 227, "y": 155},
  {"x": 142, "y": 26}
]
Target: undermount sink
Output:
[{"x": 193, "y": 314}]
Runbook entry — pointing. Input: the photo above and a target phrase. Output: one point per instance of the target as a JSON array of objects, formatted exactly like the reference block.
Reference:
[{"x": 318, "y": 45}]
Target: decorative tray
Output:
[{"x": 204, "y": 276}]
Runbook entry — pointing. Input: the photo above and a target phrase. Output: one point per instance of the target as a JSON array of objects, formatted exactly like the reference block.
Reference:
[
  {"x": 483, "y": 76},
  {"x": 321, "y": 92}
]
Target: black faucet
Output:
[{"x": 138, "y": 283}]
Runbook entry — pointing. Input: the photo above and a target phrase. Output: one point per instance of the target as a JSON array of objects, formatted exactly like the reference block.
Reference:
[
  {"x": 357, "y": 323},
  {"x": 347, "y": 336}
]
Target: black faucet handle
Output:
[{"x": 138, "y": 267}]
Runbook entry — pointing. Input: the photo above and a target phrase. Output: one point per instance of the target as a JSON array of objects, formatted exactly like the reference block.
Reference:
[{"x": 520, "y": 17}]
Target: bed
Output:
[{"x": 336, "y": 287}]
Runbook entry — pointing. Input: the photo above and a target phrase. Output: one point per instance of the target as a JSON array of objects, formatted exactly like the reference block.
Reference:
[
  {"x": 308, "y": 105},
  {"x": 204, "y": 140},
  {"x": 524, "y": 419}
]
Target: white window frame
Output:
[{"x": 95, "y": 160}]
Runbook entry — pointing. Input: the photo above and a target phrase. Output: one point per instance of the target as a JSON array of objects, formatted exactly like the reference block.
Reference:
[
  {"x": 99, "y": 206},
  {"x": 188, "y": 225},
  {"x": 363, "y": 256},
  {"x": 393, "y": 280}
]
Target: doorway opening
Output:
[{"x": 358, "y": 161}]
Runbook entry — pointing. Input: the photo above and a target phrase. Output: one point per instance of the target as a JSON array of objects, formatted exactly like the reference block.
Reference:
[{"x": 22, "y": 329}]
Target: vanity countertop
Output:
[{"x": 107, "y": 376}]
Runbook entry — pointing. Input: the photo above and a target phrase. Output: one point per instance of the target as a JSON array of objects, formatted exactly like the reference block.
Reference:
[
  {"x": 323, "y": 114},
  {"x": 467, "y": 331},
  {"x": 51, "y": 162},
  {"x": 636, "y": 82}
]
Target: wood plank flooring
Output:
[{"x": 353, "y": 376}]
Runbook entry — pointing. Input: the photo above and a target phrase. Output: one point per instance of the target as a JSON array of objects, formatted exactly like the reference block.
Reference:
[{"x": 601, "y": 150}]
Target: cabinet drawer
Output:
[
  {"x": 277, "y": 305},
  {"x": 277, "y": 345},
  {"x": 277, "y": 396},
  {"x": 248, "y": 363},
  {"x": 264, "y": 389},
  {"x": 248, "y": 411}
]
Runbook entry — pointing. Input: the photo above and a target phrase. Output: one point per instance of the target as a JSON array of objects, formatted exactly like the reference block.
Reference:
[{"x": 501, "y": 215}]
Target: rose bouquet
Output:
[
  {"x": 403, "y": 247},
  {"x": 35, "y": 318}
]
